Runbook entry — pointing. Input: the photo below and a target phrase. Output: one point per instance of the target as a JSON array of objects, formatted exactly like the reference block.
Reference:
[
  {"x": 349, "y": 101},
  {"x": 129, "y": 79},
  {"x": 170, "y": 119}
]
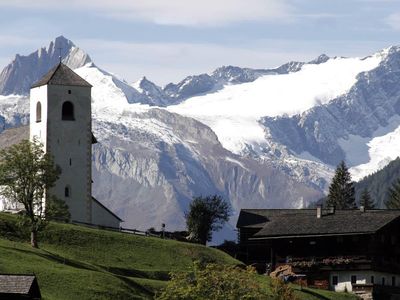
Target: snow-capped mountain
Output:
[
  {"x": 154, "y": 93},
  {"x": 195, "y": 85},
  {"x": 264, "y": 118},
  {"x": 338, "y": 109},
  {"x": 149, "y": 162},
  {"x": 18, "y": 76},
  {"x": 259, "y": 137}
]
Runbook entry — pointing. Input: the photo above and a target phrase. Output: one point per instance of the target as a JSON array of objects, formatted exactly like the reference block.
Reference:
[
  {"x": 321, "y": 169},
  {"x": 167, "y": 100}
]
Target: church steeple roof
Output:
[{"x": 61, "y": 75}]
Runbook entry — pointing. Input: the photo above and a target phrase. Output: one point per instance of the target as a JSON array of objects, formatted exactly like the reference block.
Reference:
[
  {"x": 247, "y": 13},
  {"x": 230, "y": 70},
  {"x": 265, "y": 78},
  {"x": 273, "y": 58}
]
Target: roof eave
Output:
[
  {"x": 309, "y": 235},
  {"x": 43, "y": 84},
  {"x": 46, "y": 79},
  {"x": 107, "y": 209}
]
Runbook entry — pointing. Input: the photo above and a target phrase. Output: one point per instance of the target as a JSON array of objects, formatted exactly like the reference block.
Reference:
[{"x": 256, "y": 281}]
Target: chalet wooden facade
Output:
[{"x": 338, "y": 250}]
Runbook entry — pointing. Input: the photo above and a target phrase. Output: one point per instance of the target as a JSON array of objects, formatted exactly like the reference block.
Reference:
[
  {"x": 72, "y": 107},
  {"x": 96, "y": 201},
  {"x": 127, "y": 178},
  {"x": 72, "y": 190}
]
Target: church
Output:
[{"x": 61, "y": 119}]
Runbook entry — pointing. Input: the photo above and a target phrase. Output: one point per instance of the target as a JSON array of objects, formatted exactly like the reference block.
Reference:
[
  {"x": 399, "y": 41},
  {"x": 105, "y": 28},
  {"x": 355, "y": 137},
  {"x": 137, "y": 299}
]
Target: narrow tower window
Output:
[
  {"x": 67, "y": 112},
  {"x": 67, "y": 191},
  {"x": 38, "y": 112}
]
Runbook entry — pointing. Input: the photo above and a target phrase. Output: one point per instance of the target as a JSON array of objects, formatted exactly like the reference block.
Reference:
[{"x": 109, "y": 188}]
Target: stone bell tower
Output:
[{"x": 61, "y": 118}]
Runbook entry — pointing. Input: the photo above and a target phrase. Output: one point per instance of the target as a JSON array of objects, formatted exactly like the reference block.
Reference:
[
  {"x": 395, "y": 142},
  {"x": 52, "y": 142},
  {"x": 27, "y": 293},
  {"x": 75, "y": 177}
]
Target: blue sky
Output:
[{"x": 168, "y": 40}]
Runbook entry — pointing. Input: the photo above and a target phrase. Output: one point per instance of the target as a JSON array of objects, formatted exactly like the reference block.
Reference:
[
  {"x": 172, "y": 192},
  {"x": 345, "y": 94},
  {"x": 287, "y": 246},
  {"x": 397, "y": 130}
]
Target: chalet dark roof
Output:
[
  {"x": 13, "y": 285},
  {"x": 98, "y": 202},
  {"x": 275, "y": 223},
  {"x": 253, "y": 218},
  {"x": 61, "y": 75}
]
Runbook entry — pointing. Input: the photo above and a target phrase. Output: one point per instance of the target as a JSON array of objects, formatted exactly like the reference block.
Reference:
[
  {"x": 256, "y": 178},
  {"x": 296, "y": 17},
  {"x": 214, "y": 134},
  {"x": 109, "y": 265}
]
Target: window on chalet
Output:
[
  {"x": 393, "y": 280},
  {"x": 383, "y": 280},
  {"x": 353, "y": 279},
  {"x": 67, "y": 111},
  {"x": 38, "y": 112},
  {"x": 335, "y": 280},
  {"x": 372, "y": 279}
]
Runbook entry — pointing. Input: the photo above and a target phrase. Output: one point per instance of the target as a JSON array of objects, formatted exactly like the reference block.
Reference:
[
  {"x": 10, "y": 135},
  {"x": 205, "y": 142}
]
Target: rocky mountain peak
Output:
[
  {"x": 232, "y": 74},
  {"x": 23, "y": 71},
  {"x": 153, "y": 93},
  {"x": 320, "y": 59},
  {"x": 144, "y": 83},
  {"x": 190, "y": 86}
]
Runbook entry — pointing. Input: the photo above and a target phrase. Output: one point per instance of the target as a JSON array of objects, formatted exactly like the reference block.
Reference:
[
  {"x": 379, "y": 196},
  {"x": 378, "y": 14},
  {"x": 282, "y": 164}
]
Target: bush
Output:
[
  {"x": 213, "y": 281},
  {"x": 281, "y": 291}
]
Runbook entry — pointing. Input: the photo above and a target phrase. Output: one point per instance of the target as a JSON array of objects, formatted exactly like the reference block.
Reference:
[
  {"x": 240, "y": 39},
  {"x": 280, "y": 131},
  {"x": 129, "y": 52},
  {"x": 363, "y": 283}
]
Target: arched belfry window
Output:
[
  {"x": 67, "y": 191},
  {"x": 67, "y": 111},
  {"x": 38, "y": 112}
]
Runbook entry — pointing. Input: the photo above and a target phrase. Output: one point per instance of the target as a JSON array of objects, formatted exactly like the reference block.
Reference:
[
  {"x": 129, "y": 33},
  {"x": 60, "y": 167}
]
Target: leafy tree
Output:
[
  {"x": 26, "y": 173},
  {"x": 394, "y": 196},
  {"x": 213, "y": 281},
  {"x": 206, "y": 214},
  {"x": 366, "y": 200},
  {"x": 341, "y": 191},
  {"x": 57, "y": 209}
]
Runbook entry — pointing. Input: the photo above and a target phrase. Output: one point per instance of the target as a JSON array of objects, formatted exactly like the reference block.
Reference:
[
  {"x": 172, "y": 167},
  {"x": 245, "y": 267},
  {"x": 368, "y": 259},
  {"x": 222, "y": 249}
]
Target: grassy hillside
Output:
[{"x": 75, "y": 262}]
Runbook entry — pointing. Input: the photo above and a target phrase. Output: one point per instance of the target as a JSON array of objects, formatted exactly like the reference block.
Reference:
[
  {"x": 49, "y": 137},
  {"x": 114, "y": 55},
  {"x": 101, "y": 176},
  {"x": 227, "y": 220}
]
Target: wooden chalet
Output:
[
  {"x": 19, "y": 286},
  {"x": 353, "y": 250}
]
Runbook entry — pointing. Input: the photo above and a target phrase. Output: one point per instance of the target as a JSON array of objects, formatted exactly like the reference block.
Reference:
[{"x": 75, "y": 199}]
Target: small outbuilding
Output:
[{"x": 19, "y": 286}]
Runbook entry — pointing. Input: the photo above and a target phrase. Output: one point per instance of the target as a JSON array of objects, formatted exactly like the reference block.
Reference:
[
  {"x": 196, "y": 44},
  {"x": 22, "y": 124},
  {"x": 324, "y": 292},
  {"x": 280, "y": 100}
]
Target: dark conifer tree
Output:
[
  {"x": 394, "y": 196},
  {"x": 341, "y": 191},
  {"x": 366, "y": 200}
]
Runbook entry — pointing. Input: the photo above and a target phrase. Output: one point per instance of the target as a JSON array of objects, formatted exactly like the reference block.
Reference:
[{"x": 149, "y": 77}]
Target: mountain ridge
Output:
[
  {"x": 12, "y": 83},
  {"x": 152, "y": 158},
  {"x": 17, "y": 77}
]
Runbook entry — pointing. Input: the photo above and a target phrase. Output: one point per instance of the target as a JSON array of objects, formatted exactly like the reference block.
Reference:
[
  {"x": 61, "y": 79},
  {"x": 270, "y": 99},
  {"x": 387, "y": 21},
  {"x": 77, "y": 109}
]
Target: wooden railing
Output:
[{"x": 176, "y": 235}]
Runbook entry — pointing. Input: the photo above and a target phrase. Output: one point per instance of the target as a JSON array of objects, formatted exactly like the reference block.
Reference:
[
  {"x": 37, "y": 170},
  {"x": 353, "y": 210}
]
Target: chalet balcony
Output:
[
  {"x": 378, "y": 263},
  {"x": 326, "y": 263}
]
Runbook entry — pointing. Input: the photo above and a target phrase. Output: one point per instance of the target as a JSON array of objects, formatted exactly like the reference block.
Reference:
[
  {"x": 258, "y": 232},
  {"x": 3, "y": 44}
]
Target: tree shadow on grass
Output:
[
  {"x": 134, "y": 285},
  {"x": 54, "y": 258},
  {"x": 311, "y": 292},
  {"x": 154, "y": 275},
  {"x": 130, "y": 284}
]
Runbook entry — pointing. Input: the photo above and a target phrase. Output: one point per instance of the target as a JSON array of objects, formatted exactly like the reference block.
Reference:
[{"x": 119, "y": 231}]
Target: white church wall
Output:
[
  {"x": 69, "y": 141},
  {"x": 100, "y": 216},
  {"x": 38, "y": 130},
  {"x": 8, "y": 205},
  {"x": 3, "y": 203}
]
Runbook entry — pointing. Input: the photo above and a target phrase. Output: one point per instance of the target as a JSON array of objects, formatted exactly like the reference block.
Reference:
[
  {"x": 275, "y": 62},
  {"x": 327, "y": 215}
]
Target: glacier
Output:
[{"x": 233, "y": 112}]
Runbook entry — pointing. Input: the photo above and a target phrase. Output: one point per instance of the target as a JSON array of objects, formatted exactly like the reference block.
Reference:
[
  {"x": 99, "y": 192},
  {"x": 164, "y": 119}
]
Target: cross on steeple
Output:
[{"x": 60, "y": 48}]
